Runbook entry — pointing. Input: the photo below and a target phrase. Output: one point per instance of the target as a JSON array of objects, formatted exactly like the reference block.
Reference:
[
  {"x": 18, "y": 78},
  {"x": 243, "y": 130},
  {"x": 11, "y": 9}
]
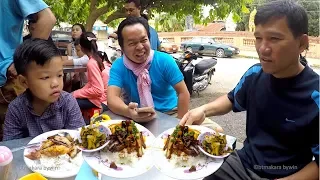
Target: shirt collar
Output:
[{"x": 53, "y": 107}]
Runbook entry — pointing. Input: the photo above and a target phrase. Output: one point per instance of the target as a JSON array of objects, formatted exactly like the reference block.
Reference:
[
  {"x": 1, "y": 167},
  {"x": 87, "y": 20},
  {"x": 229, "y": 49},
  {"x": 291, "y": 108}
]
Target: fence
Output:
[{"x": 243, "y": 40}]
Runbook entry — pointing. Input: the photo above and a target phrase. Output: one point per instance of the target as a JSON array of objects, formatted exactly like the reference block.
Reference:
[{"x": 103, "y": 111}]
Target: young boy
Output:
[{"x": 44, "y": 106}]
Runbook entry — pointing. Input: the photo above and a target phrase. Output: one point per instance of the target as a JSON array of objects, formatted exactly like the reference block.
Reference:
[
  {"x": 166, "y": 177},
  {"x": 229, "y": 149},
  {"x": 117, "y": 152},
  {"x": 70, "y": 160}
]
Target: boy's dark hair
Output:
[
  {"x": 76, "y": 42},
  {"x": 37, "y": 50},
  {"x": 129, "y": 21},
  {"x": 83, "y": 29},
  {"x": 294, "y": 13},
  {"x": 88, "y": 42},
  {"x": 136, "y": 2}
]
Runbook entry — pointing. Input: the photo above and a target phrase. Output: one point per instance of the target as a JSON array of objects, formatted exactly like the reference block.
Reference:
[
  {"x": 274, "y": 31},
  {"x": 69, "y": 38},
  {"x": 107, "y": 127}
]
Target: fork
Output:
[{"x": 26, "y": 146}]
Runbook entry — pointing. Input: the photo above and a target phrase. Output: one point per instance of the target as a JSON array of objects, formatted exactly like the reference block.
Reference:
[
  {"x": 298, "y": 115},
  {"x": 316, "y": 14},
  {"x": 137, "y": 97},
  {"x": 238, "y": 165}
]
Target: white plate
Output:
[
  {"x": 100, "y": 161},
  {"x": 201, "y": 137},
  {"x": 204, "y": 164},
  {"x": 56, "y": 171},
  {"x": 102, "y": 129}
]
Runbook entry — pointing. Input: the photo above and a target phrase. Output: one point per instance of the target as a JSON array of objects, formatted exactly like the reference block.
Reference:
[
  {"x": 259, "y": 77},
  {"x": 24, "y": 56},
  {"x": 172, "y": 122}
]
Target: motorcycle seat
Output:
[{"x": 205, "y": 64}]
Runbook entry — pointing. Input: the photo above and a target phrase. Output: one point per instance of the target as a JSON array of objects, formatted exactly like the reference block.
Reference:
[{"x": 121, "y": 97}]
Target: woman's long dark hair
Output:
[{"x": 88, "y": 42}]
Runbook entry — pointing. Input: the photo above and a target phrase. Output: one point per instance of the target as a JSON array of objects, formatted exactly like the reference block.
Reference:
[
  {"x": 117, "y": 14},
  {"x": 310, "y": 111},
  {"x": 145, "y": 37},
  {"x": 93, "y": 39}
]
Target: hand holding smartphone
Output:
[{"x": 145, "y": 110}]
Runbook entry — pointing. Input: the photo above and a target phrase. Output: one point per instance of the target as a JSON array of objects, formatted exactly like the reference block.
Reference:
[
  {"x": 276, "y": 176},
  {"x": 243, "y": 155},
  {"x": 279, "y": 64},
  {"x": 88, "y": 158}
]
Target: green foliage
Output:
[
  {"x": 312, "y": 7},
  {"x": 81, "y": 11},
  {"x": 169, "y": 23}
]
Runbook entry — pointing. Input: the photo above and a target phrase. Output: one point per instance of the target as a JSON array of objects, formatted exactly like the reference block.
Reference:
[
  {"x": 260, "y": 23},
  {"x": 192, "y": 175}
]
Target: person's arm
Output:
[
  {"x": 74, "y": 119},
  {"x": 115, "y": 84},
  {"x": 310, "y": 172},
  {"x": 12, "y": 126},
  {"x": 94, "y": 88},
  {"x": 220, "y": 106},
  {"x": 183, "y": 98},
  {"x": 45, "y": 22},
  {"x": 67, "y": 61},
  {"x": 175, "y": 78},
  {"x": 70, "y": 61},
  {"x": 117, "y": 106},
  {"x": 115, "y": 103},
  {"x": 69, "y": 49},
  {"x": 234, "y": 100}
]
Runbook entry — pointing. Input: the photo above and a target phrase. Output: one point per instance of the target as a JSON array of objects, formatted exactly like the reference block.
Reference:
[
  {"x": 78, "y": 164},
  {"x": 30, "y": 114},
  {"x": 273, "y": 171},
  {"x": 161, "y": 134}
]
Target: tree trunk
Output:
[{"x": 91, "y": 20}]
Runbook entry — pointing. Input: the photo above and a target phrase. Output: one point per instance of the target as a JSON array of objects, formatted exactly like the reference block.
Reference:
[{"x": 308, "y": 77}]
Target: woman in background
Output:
[
  {"x": 77, "y": 30},
  {"x": 93, "y": 94}
]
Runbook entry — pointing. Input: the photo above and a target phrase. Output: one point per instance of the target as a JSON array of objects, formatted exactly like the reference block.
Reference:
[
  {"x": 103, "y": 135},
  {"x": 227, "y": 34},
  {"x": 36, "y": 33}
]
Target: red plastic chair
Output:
[{"x": 88, "y": 113}]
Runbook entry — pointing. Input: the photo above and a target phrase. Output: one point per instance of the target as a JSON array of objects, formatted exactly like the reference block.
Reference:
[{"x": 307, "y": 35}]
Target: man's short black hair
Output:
[
  {"x": 136, "y": 2},
  {"x": 129, "y": 21},
  {"x": 37, "y": 50},
  {"x": 295, "y": 14}
]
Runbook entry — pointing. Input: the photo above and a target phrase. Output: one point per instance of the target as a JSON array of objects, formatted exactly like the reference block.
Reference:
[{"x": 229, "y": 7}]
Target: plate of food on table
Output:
[
  {"x": 56, "y": 155},
  {"x": 128, "y": 152},
  {"x": 93, "y": 137},
  {"x": 178, "y": 153}
]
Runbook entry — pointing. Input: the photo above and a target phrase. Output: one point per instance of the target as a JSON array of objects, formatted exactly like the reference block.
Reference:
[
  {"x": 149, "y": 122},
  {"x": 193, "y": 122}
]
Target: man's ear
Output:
[
  {"x": 23, "y": 81},
  {"x": 304, "y": 43}
]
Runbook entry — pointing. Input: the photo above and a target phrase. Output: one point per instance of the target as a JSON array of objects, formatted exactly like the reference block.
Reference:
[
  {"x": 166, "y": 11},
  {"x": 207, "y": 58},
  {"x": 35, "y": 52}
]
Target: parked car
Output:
[
  {"x": 167, "y": 46},
  {"x": 61, "y": 39},
  {"x": 210, "y": 47}
]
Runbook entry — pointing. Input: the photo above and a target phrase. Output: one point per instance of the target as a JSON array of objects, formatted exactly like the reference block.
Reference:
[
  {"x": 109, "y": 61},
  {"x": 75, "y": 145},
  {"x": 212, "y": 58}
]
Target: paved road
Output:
[{"x": 228, "y": 73}]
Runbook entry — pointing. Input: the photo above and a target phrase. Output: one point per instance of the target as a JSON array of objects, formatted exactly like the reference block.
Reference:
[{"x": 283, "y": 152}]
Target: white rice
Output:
[
  {"x": 186, "y": 161},
  {"x": 123, "y": 157},
  {"x": 61, "y": 163}
]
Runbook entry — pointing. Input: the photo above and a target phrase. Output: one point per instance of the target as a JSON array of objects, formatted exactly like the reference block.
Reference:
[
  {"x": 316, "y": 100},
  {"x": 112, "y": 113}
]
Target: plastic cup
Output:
[{"x": 5, "y": 163}]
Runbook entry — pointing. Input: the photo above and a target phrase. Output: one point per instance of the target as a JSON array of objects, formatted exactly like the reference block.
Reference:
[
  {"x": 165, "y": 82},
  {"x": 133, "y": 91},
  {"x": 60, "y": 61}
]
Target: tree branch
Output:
[
  {"x": 93, "y": 5},
  {"x": 116, "y": 15},
  {"x": 103, "y": 10}
]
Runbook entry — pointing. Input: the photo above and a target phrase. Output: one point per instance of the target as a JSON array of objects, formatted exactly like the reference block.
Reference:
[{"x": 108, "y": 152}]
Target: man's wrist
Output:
[{"x": 204, "y": 110}]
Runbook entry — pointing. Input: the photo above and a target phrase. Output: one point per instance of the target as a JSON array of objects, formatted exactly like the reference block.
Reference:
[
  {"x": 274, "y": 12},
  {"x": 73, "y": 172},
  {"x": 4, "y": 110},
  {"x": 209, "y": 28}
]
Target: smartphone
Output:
[{"x": 145, "y": 110}]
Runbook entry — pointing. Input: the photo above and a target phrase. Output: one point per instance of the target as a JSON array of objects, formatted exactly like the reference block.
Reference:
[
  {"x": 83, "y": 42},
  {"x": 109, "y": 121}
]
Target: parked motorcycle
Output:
[
  {"x": 197, "y": 71},
  {"x": 114, "y": 53}
]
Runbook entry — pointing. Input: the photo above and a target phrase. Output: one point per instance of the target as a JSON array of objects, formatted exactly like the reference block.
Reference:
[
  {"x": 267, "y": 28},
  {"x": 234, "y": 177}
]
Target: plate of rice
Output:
[
  {"x": 56, "y": 156},
  {"x": 176, "y": 153},
  {"x": 128, "y": 153}
]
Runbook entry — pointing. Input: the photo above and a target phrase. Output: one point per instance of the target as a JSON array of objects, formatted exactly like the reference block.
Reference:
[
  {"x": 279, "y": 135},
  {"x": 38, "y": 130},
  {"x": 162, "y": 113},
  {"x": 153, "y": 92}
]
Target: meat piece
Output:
[
  {"x": 195, "y": 149},
  {"x": 124, "y": 124},
  {"x": 34, "y": 155},
  {"x": 192, "y": 169},
  {"x": 142, "y": 141},
  {"x": 169, "y": 149},
  {"x": 139, "y": 146},
  {"x": 188, "y": 151},
  {"x": 74, "y": 151},
  {"x": 46, "y": 144},
  {"x": 113, "y": 165},
  {"x": 120, "y": 139},
  {"x": 55, "y": 150},
  {"x": 60, "y": 140},
  {"x": 118, "y": 148},
  {"x": 112, "y": 144},
  {"x": 185, "y": 129},
  {"x": 167, "y": 142}
]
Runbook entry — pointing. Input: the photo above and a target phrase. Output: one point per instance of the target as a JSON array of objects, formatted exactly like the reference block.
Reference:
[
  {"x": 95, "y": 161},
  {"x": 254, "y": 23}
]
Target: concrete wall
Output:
[{"x": 243, "y": 40}]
